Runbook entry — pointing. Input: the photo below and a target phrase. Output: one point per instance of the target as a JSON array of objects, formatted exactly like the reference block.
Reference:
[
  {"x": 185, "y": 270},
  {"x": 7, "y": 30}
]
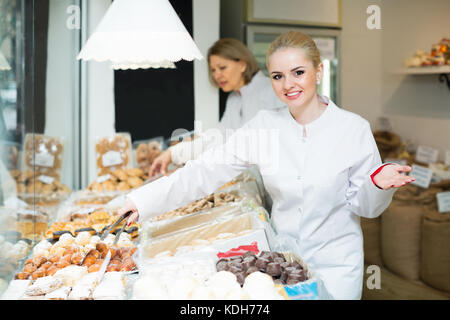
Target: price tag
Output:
[
  {"x": 44, "y": 160},
  {"x": 86, "y": 210},
  {"x": 46, "y": 179},
  {"x": 401, "y": 162},
  {"x": 103, "y": 178},
  {"x": 447, "y": 158},
  {"x": 423, "y": 176},
  {"x": 427, "y": 154},
  {"x": 27, "y": 212},
  {"x": 443, "y": 199},
  {"x": 112, "y": 158}
]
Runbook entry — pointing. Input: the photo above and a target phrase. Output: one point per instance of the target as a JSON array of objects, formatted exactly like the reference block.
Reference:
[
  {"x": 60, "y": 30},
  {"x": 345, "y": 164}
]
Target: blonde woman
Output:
[
  {"x": 329, "y": 170},
  {"x": 233, "y": 69}
]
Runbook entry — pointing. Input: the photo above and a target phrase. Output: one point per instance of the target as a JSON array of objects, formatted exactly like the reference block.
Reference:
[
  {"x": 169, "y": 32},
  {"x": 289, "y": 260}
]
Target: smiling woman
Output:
[{"x": 325, "y": 180}]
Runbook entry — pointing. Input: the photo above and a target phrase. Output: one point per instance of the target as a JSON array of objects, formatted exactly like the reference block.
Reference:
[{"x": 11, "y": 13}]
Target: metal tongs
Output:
[
  {"x": 105, "y": 263},
  {"x": 108, "y": 231},
  {"x": 115, "y": 224}
]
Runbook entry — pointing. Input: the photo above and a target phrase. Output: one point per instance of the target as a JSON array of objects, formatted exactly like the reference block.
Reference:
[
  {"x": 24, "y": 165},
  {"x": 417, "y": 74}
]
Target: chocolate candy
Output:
[
  {"x": 252, "y": 269},
  {"x": 284, "y": 265},
  {"x": 278, "y": 281},
  {"x": 279, "y": 259},
  {"x": 235, "y": 268},
  {"x": 249, "y": 254},
  {"x": 240, "y": 277},
  {"x": 236, "y": 258},
  {"x": 248, "y": 262},
  {"x": 283, "y": 277},
  {"x": 273, "y": 269},
  {"x": 222, "y": 266},
  {"x": 261, "y": 263},
  {"x": 295, "y": 277},
  {"x": 296, "y": 265}
]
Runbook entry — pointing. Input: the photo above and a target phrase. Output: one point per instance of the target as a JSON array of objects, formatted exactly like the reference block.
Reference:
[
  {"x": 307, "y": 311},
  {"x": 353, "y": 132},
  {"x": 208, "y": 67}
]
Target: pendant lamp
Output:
[{"x": 142, "y": 34}]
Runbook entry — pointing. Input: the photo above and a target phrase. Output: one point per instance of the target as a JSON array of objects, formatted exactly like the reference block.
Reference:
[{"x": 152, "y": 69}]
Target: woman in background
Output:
[{"x": 233, "y": 69}]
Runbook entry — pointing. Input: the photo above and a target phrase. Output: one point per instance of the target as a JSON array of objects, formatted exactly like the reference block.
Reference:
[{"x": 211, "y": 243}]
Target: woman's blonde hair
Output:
[
  {"x": 298, "y": 40},
  {"x": 233, "y": 49}
]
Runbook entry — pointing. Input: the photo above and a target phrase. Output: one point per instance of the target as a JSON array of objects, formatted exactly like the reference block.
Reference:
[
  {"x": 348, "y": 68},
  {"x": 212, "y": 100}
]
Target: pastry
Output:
[
  {"x": 71, "y": 274},
  {"x": 43, "y": 286},
  {"x": 80, "y": 292},
  {"x": 59, "y": 294}
]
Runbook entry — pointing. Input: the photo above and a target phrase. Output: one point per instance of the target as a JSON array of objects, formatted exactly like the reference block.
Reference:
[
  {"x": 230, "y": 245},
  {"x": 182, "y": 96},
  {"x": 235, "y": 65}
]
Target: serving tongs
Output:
[
  {"x": 107, "y": 232},
  {"x": 105, "y": 263}
]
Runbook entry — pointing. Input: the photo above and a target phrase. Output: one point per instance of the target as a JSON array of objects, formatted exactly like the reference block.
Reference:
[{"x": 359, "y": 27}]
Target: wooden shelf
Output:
[
  {"x": 442, "y": 71},
  {"x": 425, "y": 70}
]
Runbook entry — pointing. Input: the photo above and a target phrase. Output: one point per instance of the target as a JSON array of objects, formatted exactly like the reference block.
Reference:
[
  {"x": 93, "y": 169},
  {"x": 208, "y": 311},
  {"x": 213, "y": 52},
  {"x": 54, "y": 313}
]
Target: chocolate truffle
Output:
[
  {"x": 249, "y": 254},
  {"x": 240, "y": 277},
  {"x": 235, "y": 268},
  {"x": 273, "y": 269},
  {"x": 261, "y": 263},
  {"x": 222, "y": 266},
  {"x": 252, "y": 269},
  {"x": 279, "y": 259},
  {"x": 248, "y": 262}
]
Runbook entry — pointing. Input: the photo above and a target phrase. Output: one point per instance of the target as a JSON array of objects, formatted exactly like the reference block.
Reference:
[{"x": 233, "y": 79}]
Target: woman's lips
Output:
[
  {"x": 222, "y": 84},
  {"x": 293, "y": 95}
]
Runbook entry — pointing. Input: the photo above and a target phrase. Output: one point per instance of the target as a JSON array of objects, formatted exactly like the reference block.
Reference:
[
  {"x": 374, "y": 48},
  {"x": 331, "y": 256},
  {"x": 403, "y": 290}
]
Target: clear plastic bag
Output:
[
  {"x": 112, "y": 153},
  {"x": 219, "y": 228},
  {"x": 43, "y": 155},
  {"x": 146, "y": 151}
]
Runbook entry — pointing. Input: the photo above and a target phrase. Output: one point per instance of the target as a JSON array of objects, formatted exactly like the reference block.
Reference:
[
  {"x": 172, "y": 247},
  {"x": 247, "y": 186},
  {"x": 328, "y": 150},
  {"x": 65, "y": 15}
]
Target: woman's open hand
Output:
[
  {"x": 129, "y": 206},
  {"x": 391, "y": 176},
  {"x": 160, "y": 164}
]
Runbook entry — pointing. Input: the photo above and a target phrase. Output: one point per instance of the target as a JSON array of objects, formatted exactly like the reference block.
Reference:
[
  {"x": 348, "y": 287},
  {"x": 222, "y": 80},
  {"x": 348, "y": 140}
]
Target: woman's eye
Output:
[
  {"x": 276, "y": 77},
  {"x": 299, "y": 72},
  {"x": 222, "y": 68}
]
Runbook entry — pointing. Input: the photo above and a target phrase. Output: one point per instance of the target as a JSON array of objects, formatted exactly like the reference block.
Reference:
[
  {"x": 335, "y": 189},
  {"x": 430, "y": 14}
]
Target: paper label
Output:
[
  {"x": 44, "y": 159},
  {"x": 427, "y": 154},
  {"x": 26, "y": 212},
  {"x": 423, "y": 176},
  {"x": 103, "y": 178},
  {"x": 443, "y": 200},
  {"x": 46, "y": 179},
  {"x": 86, "y": 210},
  {"x": 111, "y": 158},
  {"x": 447, "y": 158},
  {"x": 401, "y": 162}
]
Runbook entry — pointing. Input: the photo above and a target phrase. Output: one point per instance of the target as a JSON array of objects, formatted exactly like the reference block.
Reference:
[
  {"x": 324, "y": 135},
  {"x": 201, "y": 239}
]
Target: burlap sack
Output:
[
  {"x": 400, "y": 238},
  {"x": 401, "y": 227},
  {"x": 371, "y": 229},
  {"x": 435, "y": 268},
  {"x": 388, "y": 143}
]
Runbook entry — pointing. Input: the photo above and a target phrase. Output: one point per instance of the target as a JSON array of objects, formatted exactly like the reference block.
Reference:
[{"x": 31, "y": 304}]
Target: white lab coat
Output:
[
  {"x": 320, "y": 186},
  {"x": 240, "y": 108}
]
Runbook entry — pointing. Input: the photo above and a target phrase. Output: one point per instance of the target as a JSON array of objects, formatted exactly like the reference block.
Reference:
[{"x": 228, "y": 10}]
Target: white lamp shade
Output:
[
  {"x": 4, "y": 65},
  {"x": 140, "y": 34}
]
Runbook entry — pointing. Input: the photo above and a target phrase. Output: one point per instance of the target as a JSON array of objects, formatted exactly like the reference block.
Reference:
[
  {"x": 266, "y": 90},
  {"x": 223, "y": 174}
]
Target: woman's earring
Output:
[{"x": 318, "y": 81}]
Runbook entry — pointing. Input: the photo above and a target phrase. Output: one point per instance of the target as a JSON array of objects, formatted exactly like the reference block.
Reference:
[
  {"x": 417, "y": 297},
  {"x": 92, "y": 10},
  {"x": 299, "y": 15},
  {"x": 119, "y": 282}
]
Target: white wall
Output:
[
  {"x": 206, "y": 32},
  {"x": 418, "y": 107},
  {"x": 98, "y": 103},
  {"x": 61, "y": 84}
]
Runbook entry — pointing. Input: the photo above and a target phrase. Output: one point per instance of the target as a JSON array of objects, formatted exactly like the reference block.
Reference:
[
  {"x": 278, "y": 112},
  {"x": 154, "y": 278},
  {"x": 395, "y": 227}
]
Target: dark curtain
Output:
[{"x": 35, "y": 44}]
